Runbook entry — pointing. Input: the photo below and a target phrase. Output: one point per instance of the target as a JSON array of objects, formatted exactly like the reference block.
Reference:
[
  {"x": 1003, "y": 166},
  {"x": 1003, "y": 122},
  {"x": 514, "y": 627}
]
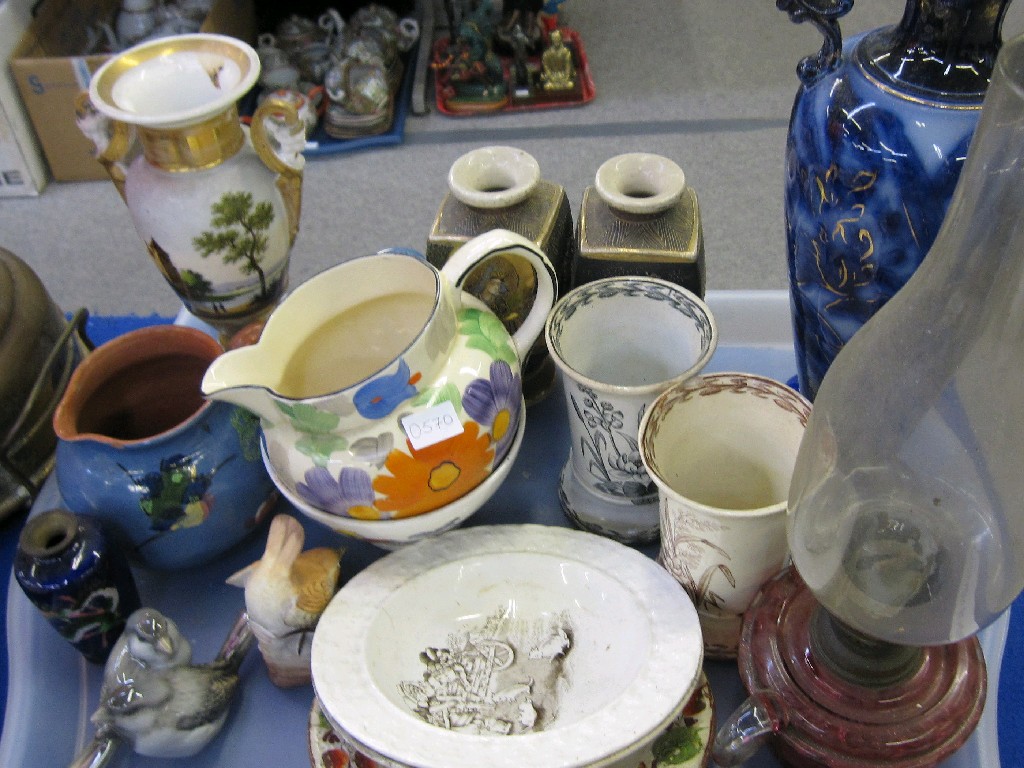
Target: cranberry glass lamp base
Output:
[{"x": 831, "y": 722}]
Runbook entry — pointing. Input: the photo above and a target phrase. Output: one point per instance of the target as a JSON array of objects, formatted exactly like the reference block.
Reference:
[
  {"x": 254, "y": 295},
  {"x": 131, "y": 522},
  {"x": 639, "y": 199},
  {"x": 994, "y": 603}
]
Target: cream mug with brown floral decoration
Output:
[{"x": 721, "y": 448}]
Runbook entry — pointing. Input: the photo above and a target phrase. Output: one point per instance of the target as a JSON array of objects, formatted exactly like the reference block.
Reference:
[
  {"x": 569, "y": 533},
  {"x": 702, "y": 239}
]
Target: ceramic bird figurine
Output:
[
  {"x": 285, "y": 592},
  {"x": 149, "y": 641},
  {"x": 155, "y": 699},
  {"x": 171, "y": 713}
]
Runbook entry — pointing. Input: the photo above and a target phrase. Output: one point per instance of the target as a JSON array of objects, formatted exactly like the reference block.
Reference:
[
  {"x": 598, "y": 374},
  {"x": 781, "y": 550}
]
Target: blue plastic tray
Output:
[{"x": 52, "y": 691}]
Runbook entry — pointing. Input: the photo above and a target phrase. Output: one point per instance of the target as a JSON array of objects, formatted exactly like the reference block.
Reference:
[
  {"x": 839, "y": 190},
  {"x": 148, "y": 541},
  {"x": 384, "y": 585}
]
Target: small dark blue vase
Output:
[
  {"x": 83, "y": 586},
  {"x": 878, "y": 134}
]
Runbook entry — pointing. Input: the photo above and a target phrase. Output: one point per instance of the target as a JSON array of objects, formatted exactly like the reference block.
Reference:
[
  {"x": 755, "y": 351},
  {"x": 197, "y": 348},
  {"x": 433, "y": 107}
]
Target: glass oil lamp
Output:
[{"x": 906, "y": 508}]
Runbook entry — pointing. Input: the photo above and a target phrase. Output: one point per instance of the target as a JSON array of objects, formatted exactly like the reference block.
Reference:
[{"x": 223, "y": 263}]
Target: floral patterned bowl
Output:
[
  {"x": 389, "y": 534},
  {"x": 686, "y": 743}
]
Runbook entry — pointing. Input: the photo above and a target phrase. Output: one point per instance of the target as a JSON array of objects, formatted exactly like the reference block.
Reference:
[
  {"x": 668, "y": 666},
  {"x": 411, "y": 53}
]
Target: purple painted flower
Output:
[
  {"x": 351, "y": 495},
  {"x": 496, "y": 403}
]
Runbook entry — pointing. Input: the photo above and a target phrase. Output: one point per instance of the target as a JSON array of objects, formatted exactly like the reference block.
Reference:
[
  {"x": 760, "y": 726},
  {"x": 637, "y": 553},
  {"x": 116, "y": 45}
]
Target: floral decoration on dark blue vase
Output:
[
  {"x": 878, "y": 135},
  {"x": 80, "y": 582}
]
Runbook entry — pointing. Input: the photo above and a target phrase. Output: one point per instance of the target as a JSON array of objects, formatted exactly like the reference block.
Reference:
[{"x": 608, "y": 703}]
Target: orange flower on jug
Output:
[{"x": 431, "y": 477}]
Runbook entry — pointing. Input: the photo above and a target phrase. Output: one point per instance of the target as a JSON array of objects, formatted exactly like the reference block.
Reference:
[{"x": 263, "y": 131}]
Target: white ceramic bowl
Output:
[
  {"x": 389, "y": 534},
  {"x": 507, "y": 645}
]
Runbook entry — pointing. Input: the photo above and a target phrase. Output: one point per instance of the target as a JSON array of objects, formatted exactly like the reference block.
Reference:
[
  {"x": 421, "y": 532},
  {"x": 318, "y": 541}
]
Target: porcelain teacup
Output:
[
  {"x": 281, "y": 77},
  {"x": 383, "y": 388}
]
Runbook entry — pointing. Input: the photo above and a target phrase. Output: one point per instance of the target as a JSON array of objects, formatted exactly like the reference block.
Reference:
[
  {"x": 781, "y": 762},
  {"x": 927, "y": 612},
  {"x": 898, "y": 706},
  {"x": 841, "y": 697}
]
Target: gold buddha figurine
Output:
[{"x": 557, "y": 70}]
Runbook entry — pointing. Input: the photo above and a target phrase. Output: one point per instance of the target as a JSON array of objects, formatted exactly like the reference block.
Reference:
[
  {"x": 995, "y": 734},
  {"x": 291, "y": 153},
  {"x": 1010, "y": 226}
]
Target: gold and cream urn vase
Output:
[{"x": 215, "y": 202}]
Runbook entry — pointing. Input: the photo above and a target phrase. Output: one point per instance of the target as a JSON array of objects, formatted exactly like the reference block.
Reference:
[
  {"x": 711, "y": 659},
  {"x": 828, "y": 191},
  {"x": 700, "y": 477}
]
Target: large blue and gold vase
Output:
[{"x": 878, "y": 134}]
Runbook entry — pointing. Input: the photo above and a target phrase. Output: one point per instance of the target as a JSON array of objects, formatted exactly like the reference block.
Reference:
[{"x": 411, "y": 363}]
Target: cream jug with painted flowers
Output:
[{"x": 385, "y": 387}]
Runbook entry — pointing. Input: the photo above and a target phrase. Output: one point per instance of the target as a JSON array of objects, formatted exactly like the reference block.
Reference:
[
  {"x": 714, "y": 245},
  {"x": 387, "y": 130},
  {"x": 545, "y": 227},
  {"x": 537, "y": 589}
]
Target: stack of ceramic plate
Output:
[{"x": 507, "y": 645}]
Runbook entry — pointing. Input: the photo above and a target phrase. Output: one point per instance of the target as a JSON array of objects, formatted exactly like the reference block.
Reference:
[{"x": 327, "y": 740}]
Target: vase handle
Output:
[
  {"x": 825, "y": 15},
  {"x": 112, "y": 140},
  {"x": 279, "y": 137}
]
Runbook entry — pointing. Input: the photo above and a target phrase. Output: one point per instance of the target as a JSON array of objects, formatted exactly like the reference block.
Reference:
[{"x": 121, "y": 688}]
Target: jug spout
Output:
[{"x": 235, "y": 378}]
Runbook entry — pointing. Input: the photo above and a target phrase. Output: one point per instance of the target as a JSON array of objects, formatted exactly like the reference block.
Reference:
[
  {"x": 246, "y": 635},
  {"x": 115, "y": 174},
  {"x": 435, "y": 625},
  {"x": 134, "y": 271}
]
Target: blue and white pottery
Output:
[
  {"x": 619, "y": 343},
  {"x": 878, "y": 134}
]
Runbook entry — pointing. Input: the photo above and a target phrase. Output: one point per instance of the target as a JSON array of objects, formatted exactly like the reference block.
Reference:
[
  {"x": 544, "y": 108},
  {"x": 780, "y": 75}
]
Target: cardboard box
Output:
[
  {"x": 50, "y": 72},
  {"x": 23, "y": 171}
]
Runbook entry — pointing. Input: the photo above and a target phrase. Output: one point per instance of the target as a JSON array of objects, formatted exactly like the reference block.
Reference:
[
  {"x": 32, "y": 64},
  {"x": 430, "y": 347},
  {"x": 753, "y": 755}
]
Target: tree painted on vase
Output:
[
  {"x": 195, "y": 285},
  {"x": 239, "y": 234}
]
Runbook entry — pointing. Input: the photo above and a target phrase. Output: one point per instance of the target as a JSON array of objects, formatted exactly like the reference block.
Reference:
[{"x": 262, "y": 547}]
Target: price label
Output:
[{"x": 431, "y": 425}]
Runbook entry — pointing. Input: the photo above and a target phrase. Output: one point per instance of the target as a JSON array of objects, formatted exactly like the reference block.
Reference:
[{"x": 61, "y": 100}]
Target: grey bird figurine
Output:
[
  {"x": 149, "y": 641},
  {"x": 154, "y": 699}
]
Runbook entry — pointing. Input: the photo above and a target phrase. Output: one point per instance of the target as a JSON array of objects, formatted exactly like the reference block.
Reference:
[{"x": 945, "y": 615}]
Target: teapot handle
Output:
[
  {"x": 279, "y": 138},
  {"x": 512, "y": 276}
]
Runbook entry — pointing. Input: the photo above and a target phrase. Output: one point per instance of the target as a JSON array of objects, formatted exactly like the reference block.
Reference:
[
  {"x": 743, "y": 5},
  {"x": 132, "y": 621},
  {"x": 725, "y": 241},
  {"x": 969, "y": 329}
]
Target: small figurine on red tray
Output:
[
  {"x": 472, "y": 74},
  {"x": 520, "y": 60}
]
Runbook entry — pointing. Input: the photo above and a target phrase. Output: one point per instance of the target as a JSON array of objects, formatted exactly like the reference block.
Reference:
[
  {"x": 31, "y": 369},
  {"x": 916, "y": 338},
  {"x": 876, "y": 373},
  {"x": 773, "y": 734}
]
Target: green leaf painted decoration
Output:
[
  {"x": 306, "y": 418},
  {"x": 487, "y": 334},
  {"x": 246, "y": 424},
  {"x": 446, "y": 393},
  {"x": 677, "y": 746},
  {"x": 320, "y": 447}
]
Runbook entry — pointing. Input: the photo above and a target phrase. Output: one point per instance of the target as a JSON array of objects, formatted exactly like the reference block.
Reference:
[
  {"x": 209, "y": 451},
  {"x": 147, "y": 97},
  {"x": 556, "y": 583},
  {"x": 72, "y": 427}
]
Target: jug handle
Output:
[
  {"x": 825, "y": 15},
  {"x": 280, "y": 149},
  {"x": 461, "y": 269},
  {"x": 111, "y": 139},
  {"x": 748, "y": 728}
]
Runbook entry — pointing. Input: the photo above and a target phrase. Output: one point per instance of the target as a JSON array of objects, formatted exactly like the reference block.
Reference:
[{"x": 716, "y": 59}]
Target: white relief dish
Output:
[
  {"x": 507, "y": 645},
  {"x": 685, "y": 743}
]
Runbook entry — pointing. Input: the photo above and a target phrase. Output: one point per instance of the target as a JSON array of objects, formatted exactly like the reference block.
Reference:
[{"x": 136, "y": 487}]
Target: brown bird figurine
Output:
[{"x": 285, "y": 592}]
